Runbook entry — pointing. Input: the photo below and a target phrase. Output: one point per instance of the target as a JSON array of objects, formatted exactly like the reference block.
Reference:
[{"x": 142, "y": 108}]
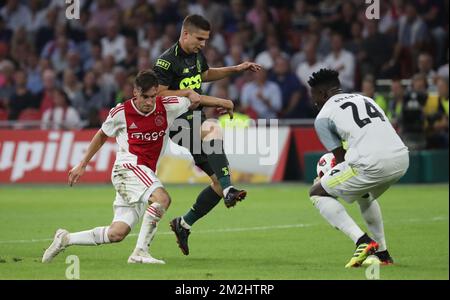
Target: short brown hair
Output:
[
  {"x": 197, "y": 22},
  {"x": 145, "y": 80}
]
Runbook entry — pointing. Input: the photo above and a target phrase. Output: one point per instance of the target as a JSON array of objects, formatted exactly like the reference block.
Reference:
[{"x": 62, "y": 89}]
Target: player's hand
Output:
[
  {"x": 76, "y": 173},
  {"x": 248, "y": 66},
  {"x": 195, "y": 99},
  {"x": 228, "y": 106}
]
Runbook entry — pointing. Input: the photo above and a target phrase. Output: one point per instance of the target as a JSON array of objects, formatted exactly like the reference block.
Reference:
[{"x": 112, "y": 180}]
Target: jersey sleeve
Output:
[
  {"x": 163, "y": 69},
  {"x": 113, "y": 122},
  {"x": 326, "y": 130},
  {"x": 175, "y": 106}
]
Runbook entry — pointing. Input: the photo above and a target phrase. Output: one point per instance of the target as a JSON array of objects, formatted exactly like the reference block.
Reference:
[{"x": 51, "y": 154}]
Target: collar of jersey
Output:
[
  {"x": 179, "y": 51},
  {"x": 140, "y": 112}
]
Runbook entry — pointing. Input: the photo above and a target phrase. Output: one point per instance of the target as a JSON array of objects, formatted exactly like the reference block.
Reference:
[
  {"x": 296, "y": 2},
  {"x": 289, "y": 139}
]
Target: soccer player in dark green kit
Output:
[{"x": 181, "y": 69}]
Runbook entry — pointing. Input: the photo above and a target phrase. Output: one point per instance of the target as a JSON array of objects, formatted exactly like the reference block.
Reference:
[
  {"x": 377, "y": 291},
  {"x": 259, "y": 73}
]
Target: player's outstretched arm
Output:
[
  {"x": 213, "y": 74},
  {"x": 164, "y": 91},
  {"x": 210, "y": 101},
  {"x": 96, "y": 143}
]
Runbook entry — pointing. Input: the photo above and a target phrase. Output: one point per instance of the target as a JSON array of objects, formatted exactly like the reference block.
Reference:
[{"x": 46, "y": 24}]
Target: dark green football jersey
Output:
[{"x": 179, "y": 70}]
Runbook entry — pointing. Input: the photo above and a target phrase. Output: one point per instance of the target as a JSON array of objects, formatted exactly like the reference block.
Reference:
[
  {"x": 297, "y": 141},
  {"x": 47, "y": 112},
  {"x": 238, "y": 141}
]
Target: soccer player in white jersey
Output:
[
  {"x": 140, "y": 126},
  {"x": 375, "y": 159}
]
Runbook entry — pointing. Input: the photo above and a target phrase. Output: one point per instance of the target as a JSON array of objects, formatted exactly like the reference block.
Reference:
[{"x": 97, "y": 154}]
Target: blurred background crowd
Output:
[{"x": 69, "y": 73}]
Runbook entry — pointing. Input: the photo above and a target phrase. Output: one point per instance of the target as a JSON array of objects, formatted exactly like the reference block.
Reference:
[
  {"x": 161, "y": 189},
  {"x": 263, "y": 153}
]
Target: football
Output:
[{"x": 325, "y": 163}]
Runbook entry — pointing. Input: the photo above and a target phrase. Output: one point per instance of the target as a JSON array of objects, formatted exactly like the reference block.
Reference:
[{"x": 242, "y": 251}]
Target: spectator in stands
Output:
[
  {"x": 236, "y": 55},
  {"x": 71, "y": 85},
  {"x": 301, "y": 15},
  {"x": 15, "y": 14},
  {"x": 413, "y": 116},
  {"x": 90, "y": 96},
  {"x": 342, "y": 61},
  {"x": 34, "y": 72},
  {"x": 46, "y": 32},
  {"x": 395, "y": 102},
  {"x": 56, "y": 51},
  {"x": 45, "y": 98},
  {"x": 234, "y": 16},
  {"x": 435, "y": 15},
  {"x": 259, "y": 12},
  {"x": 293, "y": 94},
  {"x": 102, "y": 13},
  {"x": 114, "y": 43},
  {"x": 311, "y": 65},
  {"x": 267, "y": 57},
  {"x": 95, "y": 55},
  {"x": 368, "y": 89},
  {"x": 377, "y": 49},
  {"x": 425, "y": 66},
  {"x": 61, "y": 116},
  {"x": 261, "y": 98},
  {"x": 437, "y": 129},
  {"x": 21, "y": 98},
  {"x": 412, "y": 35},
  {"x": 37, "y": 16}
]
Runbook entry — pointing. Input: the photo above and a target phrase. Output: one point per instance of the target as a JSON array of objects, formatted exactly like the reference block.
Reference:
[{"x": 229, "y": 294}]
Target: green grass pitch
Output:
[{"x": 275, "y": 233}]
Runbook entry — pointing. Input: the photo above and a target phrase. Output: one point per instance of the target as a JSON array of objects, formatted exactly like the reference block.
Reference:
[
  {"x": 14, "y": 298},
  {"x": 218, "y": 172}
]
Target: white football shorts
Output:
[
  {"x": 134, "y": 185},
  {"x": 351, "y": 184}
]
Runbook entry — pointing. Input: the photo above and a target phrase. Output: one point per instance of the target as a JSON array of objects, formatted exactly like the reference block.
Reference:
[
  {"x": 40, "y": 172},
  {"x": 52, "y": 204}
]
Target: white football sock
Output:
[
  {"x": 149, "y": 225},
  {"x": 337, "y": 216},
  {"x": 371, "y": 212},
  {"x": 96, "y": 236}
]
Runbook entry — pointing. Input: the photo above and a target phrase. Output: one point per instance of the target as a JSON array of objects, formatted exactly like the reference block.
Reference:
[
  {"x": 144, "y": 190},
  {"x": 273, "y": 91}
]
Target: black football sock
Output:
[
  {"x": 205, "y": 202},
  {"x": 218, "y": 162},
  {"x": 364, "y": 239}
]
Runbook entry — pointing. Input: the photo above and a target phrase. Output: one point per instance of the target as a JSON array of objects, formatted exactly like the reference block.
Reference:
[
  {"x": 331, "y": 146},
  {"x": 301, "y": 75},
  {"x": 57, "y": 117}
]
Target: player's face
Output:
[
  {"x": 145, "y": 101},
  {"x": 195, "y": 41},
  {"x": 318, "y": 97}
]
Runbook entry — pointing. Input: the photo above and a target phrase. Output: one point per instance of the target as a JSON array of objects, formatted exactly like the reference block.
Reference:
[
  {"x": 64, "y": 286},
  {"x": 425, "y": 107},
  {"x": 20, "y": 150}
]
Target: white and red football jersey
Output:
[{"x": 143, "y": 137}]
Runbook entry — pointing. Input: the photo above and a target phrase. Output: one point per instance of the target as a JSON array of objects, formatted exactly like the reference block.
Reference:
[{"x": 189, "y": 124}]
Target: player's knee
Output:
[
  {"x": 117, "y": 235},
  {"x": 165, "y": 200}
]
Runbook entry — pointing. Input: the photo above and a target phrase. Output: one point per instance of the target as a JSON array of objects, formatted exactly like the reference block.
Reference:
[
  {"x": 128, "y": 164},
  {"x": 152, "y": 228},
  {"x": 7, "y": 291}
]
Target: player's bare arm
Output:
[
  {"x": 339, "y": 154},
  {"x": 97, "y": 142},
  {"x": 210, "y": 101},
  {"x": 163, "y": 90},
  {"x": 213, "y": 74}
]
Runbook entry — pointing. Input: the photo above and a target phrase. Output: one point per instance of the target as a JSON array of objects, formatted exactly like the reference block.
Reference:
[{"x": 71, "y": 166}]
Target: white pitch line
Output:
[
  {"x": 196, "y": 232},
  {"x": 242, "y": 229}
]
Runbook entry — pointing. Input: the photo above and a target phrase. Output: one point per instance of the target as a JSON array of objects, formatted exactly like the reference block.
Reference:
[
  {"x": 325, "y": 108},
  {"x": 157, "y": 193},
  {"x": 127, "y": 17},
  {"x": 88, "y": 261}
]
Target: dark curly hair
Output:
[{"x": 324, "y": 77}]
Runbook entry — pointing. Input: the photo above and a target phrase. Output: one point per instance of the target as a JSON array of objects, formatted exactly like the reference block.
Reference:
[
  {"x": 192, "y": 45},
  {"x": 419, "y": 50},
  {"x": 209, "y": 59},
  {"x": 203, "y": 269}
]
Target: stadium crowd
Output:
[{"x": 70, "y": 72}]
